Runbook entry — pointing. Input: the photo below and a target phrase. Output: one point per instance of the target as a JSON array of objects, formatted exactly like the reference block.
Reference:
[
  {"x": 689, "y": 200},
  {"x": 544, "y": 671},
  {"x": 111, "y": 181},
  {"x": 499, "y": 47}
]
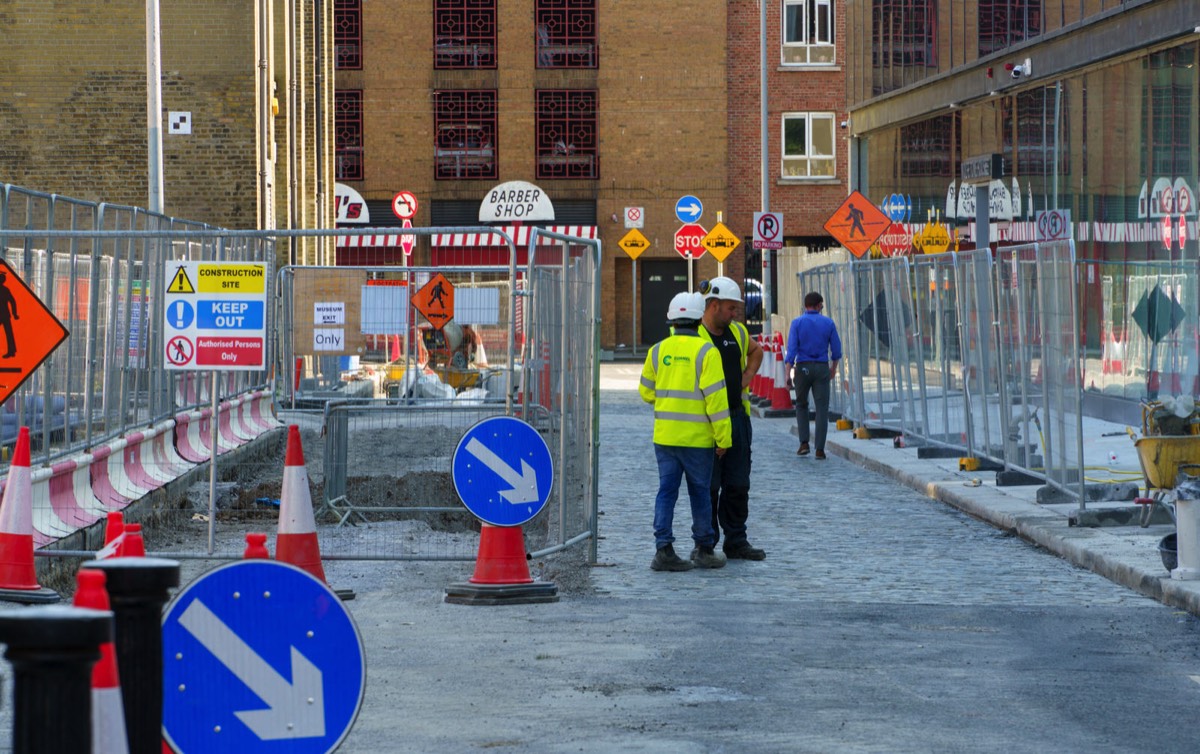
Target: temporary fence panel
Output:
[
  {"x": 1061, "y": 367},
  {"x": 936, "y": 330},
  {"x": 1019, "y": 340},
  {"x": 99, "y": 268},
  {"x": 417, "y": 371},
  {"x": 980, "y": 382}
]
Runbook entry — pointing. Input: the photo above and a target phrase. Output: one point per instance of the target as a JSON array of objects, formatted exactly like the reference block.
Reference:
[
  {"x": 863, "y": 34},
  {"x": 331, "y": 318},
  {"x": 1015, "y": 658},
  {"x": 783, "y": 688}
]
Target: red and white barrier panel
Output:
[
  {"x": 227, "y": 437},
  {"x": 262, "y": 413},
  {"x": 165, "y": 460},
  {"x": 187, "y": 437}
]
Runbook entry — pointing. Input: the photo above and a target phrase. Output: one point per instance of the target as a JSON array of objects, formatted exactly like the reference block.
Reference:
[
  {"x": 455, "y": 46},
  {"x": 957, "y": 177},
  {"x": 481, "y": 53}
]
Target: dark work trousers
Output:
[
  {"x": 814, "y": 376},
  {"x": 731, "y": 485}
]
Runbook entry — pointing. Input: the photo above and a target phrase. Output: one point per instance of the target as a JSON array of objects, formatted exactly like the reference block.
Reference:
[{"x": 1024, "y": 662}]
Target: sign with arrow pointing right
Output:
[
  {"x": 259, "y": 656},
  {"x": 503, "y": 471}
]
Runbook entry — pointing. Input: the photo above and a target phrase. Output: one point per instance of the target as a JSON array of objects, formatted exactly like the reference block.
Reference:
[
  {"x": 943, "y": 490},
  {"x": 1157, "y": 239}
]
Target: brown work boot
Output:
[
  {"x": 666, "y": 560},
  {"x": 819, "y": 455},
  {"x": 705, "y": 557},
  {"x": 803, "y": 451}
]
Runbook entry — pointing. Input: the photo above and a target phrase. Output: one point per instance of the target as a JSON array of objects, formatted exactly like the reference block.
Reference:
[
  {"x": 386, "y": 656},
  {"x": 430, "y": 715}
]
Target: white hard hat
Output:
[
  {"x": 722, "y": 288},
  {"x": 686, "y": 306}
]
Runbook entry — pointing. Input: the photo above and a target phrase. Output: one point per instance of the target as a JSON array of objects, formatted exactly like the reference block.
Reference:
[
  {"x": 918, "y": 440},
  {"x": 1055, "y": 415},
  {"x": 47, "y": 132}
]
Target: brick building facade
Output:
[
  {"x": 656, "y": 71},
  {"x": 73, "y": 109}
]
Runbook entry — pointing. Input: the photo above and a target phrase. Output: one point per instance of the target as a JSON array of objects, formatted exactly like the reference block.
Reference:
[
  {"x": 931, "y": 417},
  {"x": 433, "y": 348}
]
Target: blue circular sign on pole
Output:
[
  {"x": 503, "y": 471},
  {"x": 260, "y": 656},
  {"x": 688, "y": 209}
]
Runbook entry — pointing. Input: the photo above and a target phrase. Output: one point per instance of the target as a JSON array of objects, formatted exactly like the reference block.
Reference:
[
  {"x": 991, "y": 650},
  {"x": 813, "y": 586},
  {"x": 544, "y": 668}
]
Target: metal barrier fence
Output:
[
  {"x": 523, "y": 340},
  {"x": 99, "y": 269},
  {"x": 966, "y": 353}
]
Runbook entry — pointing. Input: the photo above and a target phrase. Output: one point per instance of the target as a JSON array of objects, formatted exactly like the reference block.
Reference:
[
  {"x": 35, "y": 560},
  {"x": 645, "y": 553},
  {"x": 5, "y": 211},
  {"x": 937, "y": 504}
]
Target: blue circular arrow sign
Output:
[
  {"x": 259, "y": 656},
  {"x": 688, "y": 209},
  {"x": 503, "y": 471}
]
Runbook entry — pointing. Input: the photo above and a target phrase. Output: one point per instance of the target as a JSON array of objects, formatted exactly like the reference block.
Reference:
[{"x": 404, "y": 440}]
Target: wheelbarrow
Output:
[{"x": 1164, "y": 458}]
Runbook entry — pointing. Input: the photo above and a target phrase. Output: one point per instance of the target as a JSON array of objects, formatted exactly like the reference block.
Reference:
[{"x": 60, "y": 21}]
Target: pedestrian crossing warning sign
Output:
[
  {"x": 435, "y": 301},
  {"x": 180, "y": 283},
  {"x": 857, "y": 224},
  {"x": 29, "y": 330}
]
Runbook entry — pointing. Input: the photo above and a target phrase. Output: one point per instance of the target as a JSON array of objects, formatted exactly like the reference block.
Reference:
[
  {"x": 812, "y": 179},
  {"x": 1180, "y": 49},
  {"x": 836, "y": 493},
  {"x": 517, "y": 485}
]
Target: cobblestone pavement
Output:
[{"x": 832, "y": 531}]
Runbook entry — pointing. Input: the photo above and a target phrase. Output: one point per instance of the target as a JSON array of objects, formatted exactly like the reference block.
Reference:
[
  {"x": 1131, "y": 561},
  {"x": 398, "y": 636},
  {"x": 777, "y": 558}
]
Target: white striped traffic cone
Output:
[
  {"x": 108, "y": 712},
  {"x": 18, "y": 578},
  {"x": 296, "y": 542}
]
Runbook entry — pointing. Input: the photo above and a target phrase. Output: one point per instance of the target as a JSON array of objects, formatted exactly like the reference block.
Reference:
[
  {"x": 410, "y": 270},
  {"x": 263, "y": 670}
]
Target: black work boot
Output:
[
  {"x": 744, "y": 551},
  {"x": 666, "y": 560},
  {"x": 705, "y": 557}
]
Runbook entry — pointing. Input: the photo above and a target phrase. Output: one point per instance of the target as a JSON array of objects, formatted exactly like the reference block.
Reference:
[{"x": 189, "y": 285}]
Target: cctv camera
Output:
[
  {"x": 1017, "y": 72},
  {"x": 845, "y": 123}
]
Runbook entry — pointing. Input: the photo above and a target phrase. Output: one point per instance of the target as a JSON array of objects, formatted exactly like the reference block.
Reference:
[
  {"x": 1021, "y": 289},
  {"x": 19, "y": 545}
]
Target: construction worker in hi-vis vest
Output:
[
  {"x": 684, "y": 380},
  {"x": 740, "y": 359}
]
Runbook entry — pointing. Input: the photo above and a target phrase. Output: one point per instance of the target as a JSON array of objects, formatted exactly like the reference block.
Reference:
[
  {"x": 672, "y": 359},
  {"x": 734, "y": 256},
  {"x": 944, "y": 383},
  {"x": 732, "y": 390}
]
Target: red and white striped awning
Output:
[
  {"x": 519, "y": 235},
  {"x": 368, "y": 242}
]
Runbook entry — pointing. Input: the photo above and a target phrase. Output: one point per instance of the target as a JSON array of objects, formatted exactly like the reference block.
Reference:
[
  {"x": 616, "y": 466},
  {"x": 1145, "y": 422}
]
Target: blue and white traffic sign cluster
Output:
[
  {"x": 259, "y": 656},
  {"x": 897, "y": 207},
  {"x": 503, "y": 471}
]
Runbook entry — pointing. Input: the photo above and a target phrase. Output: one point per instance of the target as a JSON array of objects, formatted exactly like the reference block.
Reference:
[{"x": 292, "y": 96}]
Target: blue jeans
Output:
[
  {"x": 674, "y": 463},
  {"x": 729, "y": 501}
]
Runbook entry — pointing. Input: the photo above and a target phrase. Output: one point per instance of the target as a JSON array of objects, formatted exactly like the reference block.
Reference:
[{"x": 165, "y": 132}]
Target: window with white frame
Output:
[
  {"x": 808, "y": 32},
  {"x": 808, "y": 145}
]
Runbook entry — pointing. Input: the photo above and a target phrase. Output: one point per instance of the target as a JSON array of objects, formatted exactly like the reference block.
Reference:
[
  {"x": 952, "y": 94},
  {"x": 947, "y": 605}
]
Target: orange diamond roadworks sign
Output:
[
  {"x": 857, "y": 224},
  {"x": 435, "y": 301},
  {"x": 31, "y": 331}
]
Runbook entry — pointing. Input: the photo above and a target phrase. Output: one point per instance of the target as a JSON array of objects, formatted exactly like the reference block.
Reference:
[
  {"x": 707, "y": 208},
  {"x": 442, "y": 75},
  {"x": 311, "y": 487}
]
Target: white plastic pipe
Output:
[{"x": 1187, "y": 540}]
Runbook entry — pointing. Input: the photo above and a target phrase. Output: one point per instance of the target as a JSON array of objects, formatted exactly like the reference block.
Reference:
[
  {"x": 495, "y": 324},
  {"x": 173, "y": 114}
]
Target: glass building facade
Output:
[{"x": 1094, "y": 108}]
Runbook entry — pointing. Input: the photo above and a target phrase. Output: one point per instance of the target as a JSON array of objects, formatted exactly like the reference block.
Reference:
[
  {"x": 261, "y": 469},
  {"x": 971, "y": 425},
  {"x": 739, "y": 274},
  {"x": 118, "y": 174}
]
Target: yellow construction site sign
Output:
[
  {"x": 231, "y": 278},
  {"x": 720, "y": 242},
  {"x": 633, "y": 243}
]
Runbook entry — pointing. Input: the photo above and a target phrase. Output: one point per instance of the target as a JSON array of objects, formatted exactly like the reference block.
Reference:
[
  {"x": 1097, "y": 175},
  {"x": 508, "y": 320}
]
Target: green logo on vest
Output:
[{"x": 668, "y": 359}]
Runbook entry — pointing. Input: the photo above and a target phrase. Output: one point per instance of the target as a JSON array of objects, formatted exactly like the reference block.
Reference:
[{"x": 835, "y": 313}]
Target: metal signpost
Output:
[{"x": 259, "y": 656}]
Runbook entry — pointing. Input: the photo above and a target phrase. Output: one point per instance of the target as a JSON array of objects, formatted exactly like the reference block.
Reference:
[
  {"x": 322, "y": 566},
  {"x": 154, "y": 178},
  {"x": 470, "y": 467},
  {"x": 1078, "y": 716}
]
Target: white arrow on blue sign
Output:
[
  {"x": 503, "y": 471},
  {"x": 688, "y": 209},
  {"x": 257, "y": 655}
]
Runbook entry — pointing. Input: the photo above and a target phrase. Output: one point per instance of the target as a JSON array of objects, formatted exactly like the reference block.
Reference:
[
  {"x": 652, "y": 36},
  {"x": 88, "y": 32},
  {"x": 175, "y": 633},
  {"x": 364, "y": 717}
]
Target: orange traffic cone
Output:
[
  {"x": 108, "y": 712},
  {"x": 501, "y": 572},
  {"x": 781, "y": 395},
  {"x": 18, "y": 579},
  {"x": 256, "y": 547},
  {"x": 296, "y": 542},
  {"x": 114, "y": 526},
  {"x": 132, "y": 544}
]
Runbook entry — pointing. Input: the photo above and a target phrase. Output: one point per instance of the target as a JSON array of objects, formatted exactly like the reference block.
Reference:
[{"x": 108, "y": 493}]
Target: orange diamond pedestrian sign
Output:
[
  {"x": 31, "y": 331},
  {"x": 857, "y": 224},
  {"x": 435, "y": 301}
]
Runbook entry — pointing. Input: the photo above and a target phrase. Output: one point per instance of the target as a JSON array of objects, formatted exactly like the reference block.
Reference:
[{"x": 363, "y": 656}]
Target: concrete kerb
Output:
[{"x": 1116, "y": 553}]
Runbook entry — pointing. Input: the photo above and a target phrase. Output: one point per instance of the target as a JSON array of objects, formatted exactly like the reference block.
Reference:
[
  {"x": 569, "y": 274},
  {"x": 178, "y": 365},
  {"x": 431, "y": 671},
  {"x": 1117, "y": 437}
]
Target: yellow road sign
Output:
[
  {"x": 934, "y": 239},
  {"x": 633, "y": 243},
  {"x": 720, "y": 242}
]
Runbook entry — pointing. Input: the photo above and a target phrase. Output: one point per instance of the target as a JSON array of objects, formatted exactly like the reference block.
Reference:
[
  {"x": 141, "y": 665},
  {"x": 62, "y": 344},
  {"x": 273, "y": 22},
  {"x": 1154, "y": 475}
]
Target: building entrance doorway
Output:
[{"x": 660, "y": 280}]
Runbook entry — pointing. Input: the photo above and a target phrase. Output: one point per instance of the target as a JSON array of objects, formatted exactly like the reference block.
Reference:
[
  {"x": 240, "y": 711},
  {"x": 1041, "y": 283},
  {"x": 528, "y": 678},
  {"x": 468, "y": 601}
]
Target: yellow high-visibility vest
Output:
[
  {"x": 742, "y": 336},
  {"x": 684, "y": 380}
]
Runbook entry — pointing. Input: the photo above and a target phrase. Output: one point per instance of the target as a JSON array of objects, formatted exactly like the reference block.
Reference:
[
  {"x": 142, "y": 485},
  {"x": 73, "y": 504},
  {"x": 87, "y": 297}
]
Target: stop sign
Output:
[{"x": 689, "y": 240}]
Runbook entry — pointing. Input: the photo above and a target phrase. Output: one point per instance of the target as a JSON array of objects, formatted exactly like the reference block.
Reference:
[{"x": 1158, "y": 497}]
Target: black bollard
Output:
[
  {"x": 137, "y": 591},
  {"x": 52, "y": 651}
]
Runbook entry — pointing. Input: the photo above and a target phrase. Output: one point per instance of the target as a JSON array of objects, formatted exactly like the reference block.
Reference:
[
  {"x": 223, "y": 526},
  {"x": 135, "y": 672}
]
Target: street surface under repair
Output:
[{"x": 881, "y": 621}]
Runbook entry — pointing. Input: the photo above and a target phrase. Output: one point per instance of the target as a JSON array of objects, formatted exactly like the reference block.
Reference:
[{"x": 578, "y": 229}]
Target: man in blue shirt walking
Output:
[{"x": 813, "y": 352}]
